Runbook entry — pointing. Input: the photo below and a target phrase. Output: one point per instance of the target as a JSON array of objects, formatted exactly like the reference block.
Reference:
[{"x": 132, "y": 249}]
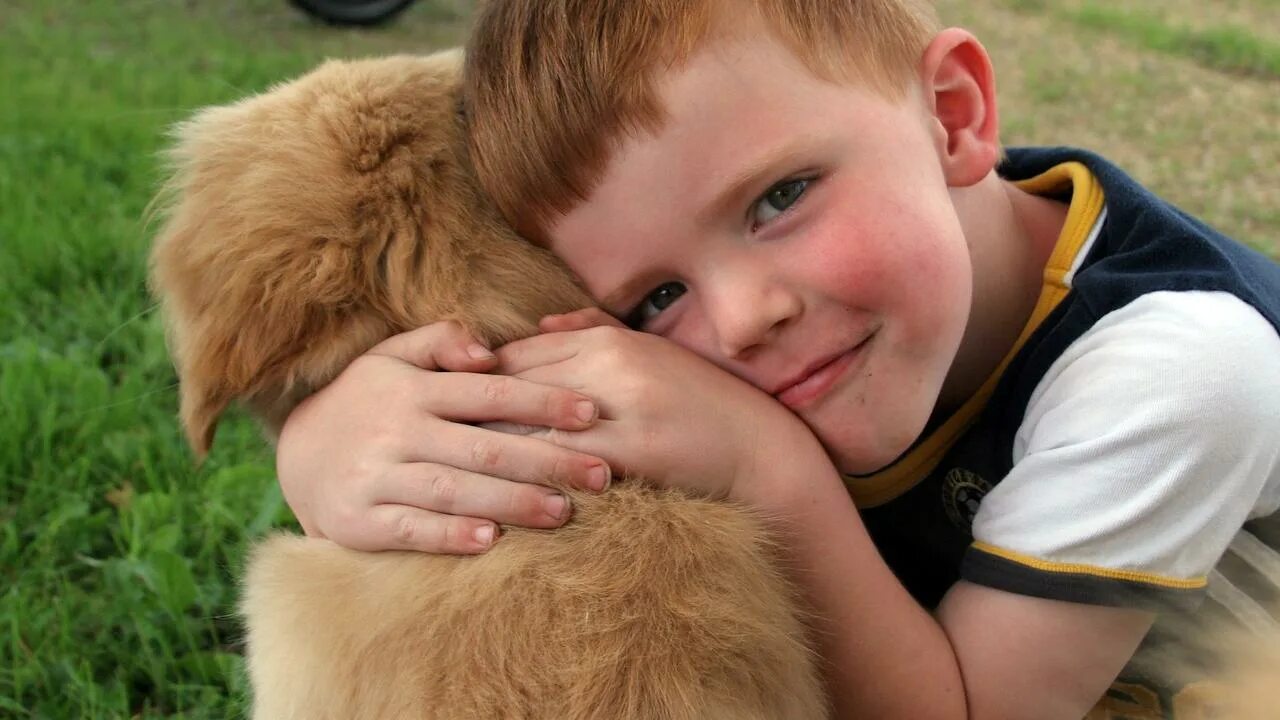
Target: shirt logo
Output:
[{"x": 962, "y": 493}]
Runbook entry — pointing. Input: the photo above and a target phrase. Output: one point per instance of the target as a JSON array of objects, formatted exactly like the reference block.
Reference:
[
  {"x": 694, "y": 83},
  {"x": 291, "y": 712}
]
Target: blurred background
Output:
[{"x": 118, "y": 557}]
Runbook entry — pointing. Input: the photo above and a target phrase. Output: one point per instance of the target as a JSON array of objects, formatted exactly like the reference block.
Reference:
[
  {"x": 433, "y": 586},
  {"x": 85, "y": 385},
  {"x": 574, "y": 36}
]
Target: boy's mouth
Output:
[{"x": 815, "y": 380}]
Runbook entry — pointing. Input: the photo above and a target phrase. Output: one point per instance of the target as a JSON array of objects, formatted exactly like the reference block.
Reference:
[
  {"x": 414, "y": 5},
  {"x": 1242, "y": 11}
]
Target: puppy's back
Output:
[{"x": 649, "y": 605}]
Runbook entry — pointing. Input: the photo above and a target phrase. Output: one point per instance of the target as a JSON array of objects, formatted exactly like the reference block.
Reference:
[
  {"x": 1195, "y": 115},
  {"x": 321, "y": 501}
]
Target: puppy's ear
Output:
[{"x": 281, "y": 216}]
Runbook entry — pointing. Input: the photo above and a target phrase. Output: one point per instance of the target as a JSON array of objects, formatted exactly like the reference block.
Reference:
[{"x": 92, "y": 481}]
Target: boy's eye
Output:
[
  {"x": 777, "y": 199},
  {"x": 654, "y": 303}
]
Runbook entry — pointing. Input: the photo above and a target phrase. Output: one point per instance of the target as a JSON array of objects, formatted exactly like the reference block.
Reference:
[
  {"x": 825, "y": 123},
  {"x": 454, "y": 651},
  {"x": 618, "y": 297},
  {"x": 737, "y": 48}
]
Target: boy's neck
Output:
[{"x": 1011, "y": 234}]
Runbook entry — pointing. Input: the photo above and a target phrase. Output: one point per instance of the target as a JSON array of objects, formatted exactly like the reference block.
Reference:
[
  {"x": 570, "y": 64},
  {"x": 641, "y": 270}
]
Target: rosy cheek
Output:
[
  {"x": 847, "y": 259},
  {"x": 686, "y": 334},
  {"x": 692, "y": 332}
]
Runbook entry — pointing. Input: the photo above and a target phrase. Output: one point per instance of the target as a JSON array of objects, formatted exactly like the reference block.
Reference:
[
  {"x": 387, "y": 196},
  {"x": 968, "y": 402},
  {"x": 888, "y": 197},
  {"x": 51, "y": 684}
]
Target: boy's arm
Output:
[
  {"x": 986, "y": 654},
  {"x": 886, "y": 656},
  {"x": 1142, "y": 452}
]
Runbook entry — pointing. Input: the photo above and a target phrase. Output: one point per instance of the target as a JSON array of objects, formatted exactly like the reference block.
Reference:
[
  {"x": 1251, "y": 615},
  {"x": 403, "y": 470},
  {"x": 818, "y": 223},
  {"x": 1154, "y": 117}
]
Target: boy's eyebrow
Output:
[
  {"x": 741, "y": 181},
  {"x": 764, "y": 164},
  {"x": 611, "y": 302}
]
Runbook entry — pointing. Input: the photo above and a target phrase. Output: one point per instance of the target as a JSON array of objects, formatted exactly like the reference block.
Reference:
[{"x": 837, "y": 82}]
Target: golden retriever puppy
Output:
[{"x": 302, "y": 227}]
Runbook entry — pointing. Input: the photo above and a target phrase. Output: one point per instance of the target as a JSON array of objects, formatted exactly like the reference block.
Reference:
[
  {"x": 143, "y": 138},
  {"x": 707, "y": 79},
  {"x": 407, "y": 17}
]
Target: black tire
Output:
[{"x": 353, "y": 12}]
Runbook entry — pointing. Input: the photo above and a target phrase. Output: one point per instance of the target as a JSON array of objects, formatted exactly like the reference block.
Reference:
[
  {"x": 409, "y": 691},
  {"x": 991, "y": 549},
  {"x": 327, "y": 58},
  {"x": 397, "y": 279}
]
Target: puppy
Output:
[{"x": 302, "y": 227}]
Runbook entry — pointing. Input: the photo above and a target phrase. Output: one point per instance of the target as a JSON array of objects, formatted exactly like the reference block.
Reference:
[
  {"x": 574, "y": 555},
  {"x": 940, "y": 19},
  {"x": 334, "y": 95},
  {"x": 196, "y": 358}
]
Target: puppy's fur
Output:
[{"x": 307, "y": 224}]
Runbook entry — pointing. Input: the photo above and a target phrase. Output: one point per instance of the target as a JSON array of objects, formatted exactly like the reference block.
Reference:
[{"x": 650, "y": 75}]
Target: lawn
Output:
[{"x": 118, "y": 556}]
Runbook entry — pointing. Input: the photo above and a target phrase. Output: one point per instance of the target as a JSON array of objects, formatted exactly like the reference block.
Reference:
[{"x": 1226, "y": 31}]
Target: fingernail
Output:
[
  {"x": 478, "y": 351},
  {"x": 598, "y": 477},
  {"x": 585, "y": 410},
  {"x": 484, "y": 535},
  {"x": 555, "y": 506}
]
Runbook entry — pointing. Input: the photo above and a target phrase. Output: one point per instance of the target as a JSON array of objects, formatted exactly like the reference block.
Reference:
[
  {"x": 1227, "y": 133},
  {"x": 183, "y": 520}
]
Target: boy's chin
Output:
[
  {"x": 892, "y": 438},
  {"x": 864, "y": 461}
]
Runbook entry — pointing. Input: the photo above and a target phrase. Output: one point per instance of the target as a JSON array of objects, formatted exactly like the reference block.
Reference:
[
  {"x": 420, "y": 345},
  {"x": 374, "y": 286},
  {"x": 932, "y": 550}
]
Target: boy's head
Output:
[
  {"x": 554, "y": 86},
  {"x": 788, "y": 189}
]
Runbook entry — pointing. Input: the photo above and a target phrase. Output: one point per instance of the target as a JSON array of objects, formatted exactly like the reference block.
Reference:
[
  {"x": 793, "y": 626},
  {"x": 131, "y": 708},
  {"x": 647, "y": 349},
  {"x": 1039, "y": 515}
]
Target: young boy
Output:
[{"x": 1054, "y": 398}]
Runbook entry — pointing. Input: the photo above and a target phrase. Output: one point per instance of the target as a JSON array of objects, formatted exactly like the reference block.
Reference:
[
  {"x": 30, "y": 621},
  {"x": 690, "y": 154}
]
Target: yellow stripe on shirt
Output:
[{"x": 1093, "y": 570}]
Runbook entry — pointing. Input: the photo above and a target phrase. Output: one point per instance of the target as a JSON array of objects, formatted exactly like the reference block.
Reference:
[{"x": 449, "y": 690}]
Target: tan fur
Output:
[
  {"x": 309, "y": 223},
  {"x": 312, "y": 221}
]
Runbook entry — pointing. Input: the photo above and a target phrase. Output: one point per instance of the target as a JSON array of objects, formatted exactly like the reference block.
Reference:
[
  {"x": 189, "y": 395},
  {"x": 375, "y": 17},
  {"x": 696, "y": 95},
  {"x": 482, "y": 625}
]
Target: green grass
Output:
[
  {"x": 118, "y": 557},
  {"x": 1205, "y": 138},
  {"x": 1221, "y": 47}
]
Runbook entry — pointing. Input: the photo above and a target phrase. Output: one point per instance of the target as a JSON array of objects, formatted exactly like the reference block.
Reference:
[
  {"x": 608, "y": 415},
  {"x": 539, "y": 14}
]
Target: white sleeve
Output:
[{"x": 1145, "y": 447}]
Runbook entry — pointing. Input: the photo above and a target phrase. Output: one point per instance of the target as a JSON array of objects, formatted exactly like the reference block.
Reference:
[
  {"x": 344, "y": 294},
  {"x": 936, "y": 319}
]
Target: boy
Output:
[{"x": 1055, "y": 399}]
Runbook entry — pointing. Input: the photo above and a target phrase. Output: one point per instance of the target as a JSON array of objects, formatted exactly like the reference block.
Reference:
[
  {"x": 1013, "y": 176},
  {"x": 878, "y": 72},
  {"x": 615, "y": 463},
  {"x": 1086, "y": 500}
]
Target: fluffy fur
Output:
[{"x": 304, "y": 226}]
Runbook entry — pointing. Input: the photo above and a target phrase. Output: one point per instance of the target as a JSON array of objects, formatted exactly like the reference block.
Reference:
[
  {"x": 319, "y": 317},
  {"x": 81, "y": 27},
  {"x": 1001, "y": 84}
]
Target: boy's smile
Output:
[{"x": 796, "y": 232}]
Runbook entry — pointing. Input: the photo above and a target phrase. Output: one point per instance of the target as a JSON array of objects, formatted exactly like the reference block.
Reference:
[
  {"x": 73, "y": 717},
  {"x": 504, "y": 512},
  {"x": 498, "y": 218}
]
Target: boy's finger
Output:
[
  {"x": 511, "y": 428},
  {"x": 510, "y": 457},
  {"x": 604, "y": 441},
  {"x": 401, "y": 527},
  {"x": 448, "y": 490},
  {"x": 472, "y": 397},
  {"x": 530, "y": 352},
  {"x": 438, "y": 346},
  {"x": 578, "y": 320}
]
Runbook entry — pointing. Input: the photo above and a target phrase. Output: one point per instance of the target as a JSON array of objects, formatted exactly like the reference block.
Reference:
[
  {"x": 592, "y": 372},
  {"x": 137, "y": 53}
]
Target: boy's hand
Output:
[
  {"x": 381, "y": 458},
  {"x": 666, "y": 415}
]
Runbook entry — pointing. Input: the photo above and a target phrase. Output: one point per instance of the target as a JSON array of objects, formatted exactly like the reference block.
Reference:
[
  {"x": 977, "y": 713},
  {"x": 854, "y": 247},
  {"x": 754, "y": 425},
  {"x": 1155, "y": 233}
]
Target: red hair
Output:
[{"x": 553, "y": 85}]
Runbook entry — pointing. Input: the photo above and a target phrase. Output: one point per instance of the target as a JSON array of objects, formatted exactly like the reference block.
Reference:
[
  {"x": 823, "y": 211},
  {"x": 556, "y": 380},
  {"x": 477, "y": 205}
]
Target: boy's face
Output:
[{"x": 798, "y": 233}]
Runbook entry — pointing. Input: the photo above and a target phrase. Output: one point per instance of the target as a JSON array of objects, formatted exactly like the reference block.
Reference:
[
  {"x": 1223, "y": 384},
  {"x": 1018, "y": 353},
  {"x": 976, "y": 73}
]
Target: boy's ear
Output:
[{"x": 960, "y": 90}]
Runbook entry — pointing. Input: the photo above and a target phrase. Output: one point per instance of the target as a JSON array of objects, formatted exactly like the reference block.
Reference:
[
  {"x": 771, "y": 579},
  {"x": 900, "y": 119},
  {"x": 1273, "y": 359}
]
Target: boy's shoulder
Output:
[
  {"x": 1139, "y": 258},
  {"x": 1122, "y": 339},
  {"x": 1142, "y": 243}
]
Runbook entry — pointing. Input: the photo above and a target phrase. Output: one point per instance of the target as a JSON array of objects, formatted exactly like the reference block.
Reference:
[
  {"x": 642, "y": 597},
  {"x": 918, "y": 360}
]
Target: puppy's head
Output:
[{"x": 304, "y": 225}]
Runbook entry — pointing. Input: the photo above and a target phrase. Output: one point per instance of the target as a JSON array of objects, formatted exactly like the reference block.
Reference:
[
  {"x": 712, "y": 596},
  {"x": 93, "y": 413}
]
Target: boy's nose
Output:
[{"x": 748, "y": 312}]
